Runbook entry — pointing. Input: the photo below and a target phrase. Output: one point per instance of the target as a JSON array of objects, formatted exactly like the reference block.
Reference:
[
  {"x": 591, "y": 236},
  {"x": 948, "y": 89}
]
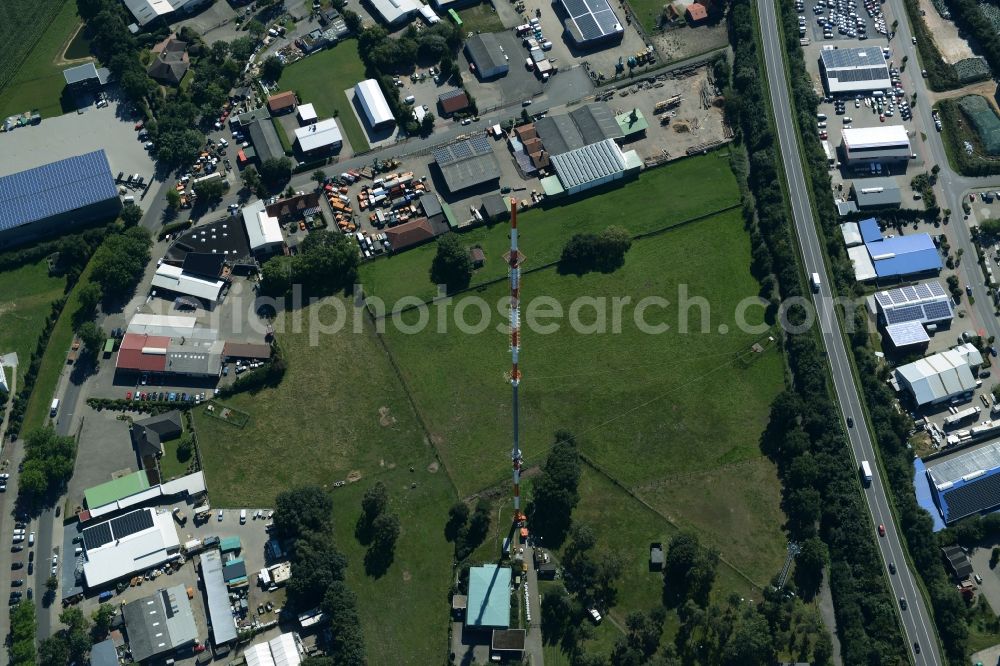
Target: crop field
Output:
[
  {"x": 25, "y": 303},
  {"x": 658, "y": 199},
  {"x": 340, "y": 413},
  {"x": 32, "y": 37},
  {"x": 322, "y": 79}
]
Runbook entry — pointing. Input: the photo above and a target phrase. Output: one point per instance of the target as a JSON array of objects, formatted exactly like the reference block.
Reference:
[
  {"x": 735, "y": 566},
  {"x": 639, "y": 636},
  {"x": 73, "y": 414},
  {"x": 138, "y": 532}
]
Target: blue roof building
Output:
[
  {"x": 870, "y": 232},
  {"x": 489, "y": 597},
  {"x": 904, "y": 255},
  {"x": 53, "y": 197},
  {"x": 966, "y": 483}
]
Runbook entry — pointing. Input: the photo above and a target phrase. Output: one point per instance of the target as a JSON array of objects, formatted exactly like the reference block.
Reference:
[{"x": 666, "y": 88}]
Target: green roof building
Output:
[
  {"x": 632, "y": 123},
  {"x": 230, "y": 544},
  {"x": 489, "y": 597},
  {"x": 116, "y": 489}
]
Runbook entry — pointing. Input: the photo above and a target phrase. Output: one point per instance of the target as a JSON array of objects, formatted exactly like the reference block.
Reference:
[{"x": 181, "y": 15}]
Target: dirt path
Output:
[
  {"x": 986, "y": 89},
  {"x": 61, "y": 59},
  {"x": 952, "y": 47}
]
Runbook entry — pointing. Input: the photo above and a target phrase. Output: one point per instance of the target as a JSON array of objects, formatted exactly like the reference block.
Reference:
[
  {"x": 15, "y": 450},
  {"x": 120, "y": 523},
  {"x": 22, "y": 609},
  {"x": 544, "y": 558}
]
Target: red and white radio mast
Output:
[{"x": 514, "y": 262}]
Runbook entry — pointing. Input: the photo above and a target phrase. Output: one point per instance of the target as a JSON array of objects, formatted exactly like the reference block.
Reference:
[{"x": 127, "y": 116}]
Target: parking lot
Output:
[
  {"x": 517, "y": 85},
  {"x": 840, "y": 19},
  {"x": 110, "y": 128}
]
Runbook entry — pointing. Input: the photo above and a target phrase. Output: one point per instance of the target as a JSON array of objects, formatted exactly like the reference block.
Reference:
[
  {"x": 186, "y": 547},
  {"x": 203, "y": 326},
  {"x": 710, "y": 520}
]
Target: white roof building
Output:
[
  {"x": 373, "y": 103},
  {"x": 263, "y": 230},
  {"x": 284, "y": 650},
  {"x": 941, "y": 376},
  {"x": 324, "y": 135},
  {"x": 173, "y": 326},
  {"x": 128, "y": 544},
  {"x": 173, "y": 278},
  {"x": 395, "y": 11},
  {"x": 429, "y": 15},
  {"x": 883, "y": 142},
  {"x": 851, "y": 234},
  {"x": 854, "y": 70},
  {"x": 307, "y": 113},
  {"x": 145, "y": 11}
]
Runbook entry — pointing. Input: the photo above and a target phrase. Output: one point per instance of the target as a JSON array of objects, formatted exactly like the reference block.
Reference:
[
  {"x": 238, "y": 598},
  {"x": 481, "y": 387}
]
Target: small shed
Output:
[
  {"x": 477, "y": 257},
  {"x": 231, "y": 544},
  {"x": 656, "y": 556},
  {"x": 546, "y": 571},
  {"x": 495, "y": 208},
  {"x": 459, "y": 603}
]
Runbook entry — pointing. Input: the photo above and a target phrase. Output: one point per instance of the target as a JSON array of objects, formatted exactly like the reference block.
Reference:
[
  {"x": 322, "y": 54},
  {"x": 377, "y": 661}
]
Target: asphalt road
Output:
[{"x": 916, "y": 621}]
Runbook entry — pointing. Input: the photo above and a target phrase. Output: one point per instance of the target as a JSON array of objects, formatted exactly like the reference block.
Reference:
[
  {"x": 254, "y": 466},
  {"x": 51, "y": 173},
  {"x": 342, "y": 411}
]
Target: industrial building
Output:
[
  {"x": 876, "y": 193},
  {"x": 468, "y": 163},
  {"x": 894, "y": 258},
  {"x": 926, "y": 303},
  {"x": 128, "y": 544},
  {"x": 264, "y": 137},
  {"x": 146, "y": 11},
  {"x": 57, "y": 196},
  {"x": 486, "y": 55},
  {"x": 283, "y": 650},
  {"x": 263, "y": 230},
  {"x": 854, "y": 70},
  {"x": 591, "y": 23},
  {"x": 85, "y": 77},
  {"x": 307, "y": 114},
  {"x": 319, "y": 138},
  {"x": 220, "y": 615},
  {"x": 112, "y": 497},
  {"x": 589, "y": 167},
  {"x": 885, "y": 143},
  {"x": 177, "y": 282},
  {"x": 116, "y": 489},
  {"x": 374, "y": 105},
  {"x": 452, "y": 101},
  {"x": 940, "y": 377},
  {"x": 966, "y": 483},
  {"x": 160, "y": 624},
  {"x": 583, "y": 126},
  {"x": 170, "y": 344},
  {"x": 394, "y": 12},
  {"x": 489, "y": 597},
  {"x": 909, "y": 335}
]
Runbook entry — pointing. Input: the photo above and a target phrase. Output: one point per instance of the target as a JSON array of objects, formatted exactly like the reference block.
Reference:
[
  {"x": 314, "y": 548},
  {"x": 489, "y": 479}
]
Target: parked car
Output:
[{"x": 220, "y": 515}]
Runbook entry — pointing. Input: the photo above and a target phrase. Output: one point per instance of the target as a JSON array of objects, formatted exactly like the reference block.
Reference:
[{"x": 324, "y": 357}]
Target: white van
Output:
[
  {"x": 815, "y": 282},
  {"x": 54, "y": 407},
  {"x": 409, "y": 99},
  {"x": 129, "y": 199},
  {"x": 243, "y": 516}
]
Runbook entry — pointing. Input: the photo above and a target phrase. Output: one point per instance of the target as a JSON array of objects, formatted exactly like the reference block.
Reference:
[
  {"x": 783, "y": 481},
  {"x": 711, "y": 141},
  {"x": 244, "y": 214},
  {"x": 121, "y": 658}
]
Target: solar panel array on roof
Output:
[
  {"x": 591, "y": 20},
  {"x": 55, "y": 188},
  {"x": 851, "y": 75},
  {"x": 907, "y": 333},
  {"x": 853, "y": 57},
  {"x": 97, "y": 536},
  {"x": 975, "y": 496},
  {"x": 131, "y": 523},
  {"x": 904, "y": 314},
  {"x": 456, "y": 152}
]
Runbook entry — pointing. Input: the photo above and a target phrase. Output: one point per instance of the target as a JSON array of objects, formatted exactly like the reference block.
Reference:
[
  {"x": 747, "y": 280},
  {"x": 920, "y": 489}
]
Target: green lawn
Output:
[
  {"x": 341, "y": 409},
  {"x": 41, "y": 29},
  {"x": 322, "y": 79},
  {"x": 24, "y": 305},
  {"x": 481, "y": 18},
  {"x": 54, "y": 360},
  {"x": 170, "y": 465},
  {"x": 659, "y": 198},
  {"x": 648, "y": 12}
]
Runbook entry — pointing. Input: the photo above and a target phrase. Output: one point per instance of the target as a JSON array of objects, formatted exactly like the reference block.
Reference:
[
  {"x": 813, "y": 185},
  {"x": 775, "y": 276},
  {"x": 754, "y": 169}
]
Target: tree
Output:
[
  {"x": 242, "y": 48},
  {"x": 185, "y": 448},
  {"x": 23, "y": 627},
  {"x": 809, "y": 566},
  {"x": 555, "y": 492},
  {"x": 373, "y": 505},
  {"x": 347, "y": 644},
  {"x": 452, "y": 266},
  {"x": 48, "y": 463},
  {"x": 53, "y": 651},
  {"x": 316, "y": 565},
  {"x": 688, "y": 571},
  {"x": 276, "y": 276},
  {"x": 604, "y": 252},
  {"x": 89, "y": 296},
  {"x": 352, "y": 21},
  {"x": 458, "y": 516},
  {"x": 173, "y": 199},
  {"x": 103, "y": 617},
  {"x": 427, "y": 124},
  {"x": 210, "y": 191},
  {"x": 251, "y": 179},
  {"x": 93, "y": 339},
  {"x": 381, "y": 552},
  {"x": 120, "y": 261},
  {"x": 275, "y": 171},
  {"x": 319, "y": 176},
  {"x": 256, "y": 28},
  {"x": 76, "y": 634},
  {"x": 271, "y": 68},
  {"x": 479, "y": 525},
  {"x": 326, "y": 262},
  {"x": 301, "y": 510},
  {"x": 131, "y": 214},
  {"x": 557, "y": 615}
]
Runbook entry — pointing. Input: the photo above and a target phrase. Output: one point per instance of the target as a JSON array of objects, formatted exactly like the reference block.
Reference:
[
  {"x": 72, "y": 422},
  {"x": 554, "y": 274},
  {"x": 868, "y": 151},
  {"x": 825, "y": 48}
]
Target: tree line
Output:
[
  {"x": 891, "y": 427},
  {"x": 325, "y": 263}
]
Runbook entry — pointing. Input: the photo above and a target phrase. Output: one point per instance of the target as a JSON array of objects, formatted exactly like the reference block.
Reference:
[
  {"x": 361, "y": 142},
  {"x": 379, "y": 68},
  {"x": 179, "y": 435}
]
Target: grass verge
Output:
[
  {"x": 481, "y": 18},
  {"x": 26, "y": 302}
]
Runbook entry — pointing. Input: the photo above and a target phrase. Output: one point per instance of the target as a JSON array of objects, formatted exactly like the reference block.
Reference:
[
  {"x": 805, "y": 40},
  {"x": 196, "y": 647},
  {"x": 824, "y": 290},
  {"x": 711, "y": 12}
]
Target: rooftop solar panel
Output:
[
  {"x": 863, "y": 74},
  {"x": 58, "y": 187},
  {"x": 97, "y": 536},
  {"x": 591, "y": 19},
  {"x": 131, "y": 523},
  {"x": 937, "y": 310},
  {"x": 898, "y": 315},
  {"x": 907, "y": 333},
  {"x": 972, "y": 497}
]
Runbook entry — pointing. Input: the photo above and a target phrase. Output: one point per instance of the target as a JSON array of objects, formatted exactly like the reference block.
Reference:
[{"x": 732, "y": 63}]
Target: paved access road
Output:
[{"x": 916, "y": 620}]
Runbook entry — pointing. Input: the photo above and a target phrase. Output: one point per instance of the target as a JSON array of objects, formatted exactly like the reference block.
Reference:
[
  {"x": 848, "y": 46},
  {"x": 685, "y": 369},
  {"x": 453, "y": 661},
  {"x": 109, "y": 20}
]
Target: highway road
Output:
[{"x": 916, "y": 620}]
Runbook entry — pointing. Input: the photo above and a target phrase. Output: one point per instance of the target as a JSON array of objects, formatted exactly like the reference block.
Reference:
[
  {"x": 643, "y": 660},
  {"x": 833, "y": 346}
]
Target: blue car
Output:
[
  {"x": 184, "y": 397},
  {"x": 173, "y": 397}
]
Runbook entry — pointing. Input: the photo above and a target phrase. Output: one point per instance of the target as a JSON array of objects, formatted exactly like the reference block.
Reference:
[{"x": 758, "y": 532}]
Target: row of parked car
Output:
[{"x": 164, "y": 396}]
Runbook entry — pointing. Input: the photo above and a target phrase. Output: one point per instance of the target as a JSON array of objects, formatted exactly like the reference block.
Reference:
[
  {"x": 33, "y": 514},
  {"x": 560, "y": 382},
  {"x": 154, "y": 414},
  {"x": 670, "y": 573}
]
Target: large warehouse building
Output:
[
  {"x": 161, "y": 624},
  {"x": 395, "y": 12},
  {"x": 966, "y": 484},
  {"x": 136, "y": 541},
  {"x": 926, "y": 303},
  {"x": 56, "y": 196},
  {"x": 373, "y": 104},
  {"x": 942, "y": 376},
  {"x": 885, "y": 143},
  {"x": 467, "y": 163},
  {"x": 486, "y": 55},
  {"x": 891, "y": 258},
  {"x": 854, "y": 70},
  {"x": 170, "y": 344},
  {"x": 591, "y": 23},
  {"x": 591, "y": 166}
]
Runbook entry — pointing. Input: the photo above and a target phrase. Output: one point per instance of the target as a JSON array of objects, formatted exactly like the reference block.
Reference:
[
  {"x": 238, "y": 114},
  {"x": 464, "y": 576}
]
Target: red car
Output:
[
  {"x": 137, "y": 126},
  {"x": 881, "y": 530},
  {"x": 128, "y": 395}
]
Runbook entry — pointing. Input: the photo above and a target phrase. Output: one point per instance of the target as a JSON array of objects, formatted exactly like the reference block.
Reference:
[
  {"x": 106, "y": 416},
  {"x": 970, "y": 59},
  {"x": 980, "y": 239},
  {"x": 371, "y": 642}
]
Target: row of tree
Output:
[
  {"x": 326, "y": 262},
  {"x": 891, "y": 429},
  {"x": 23, "y": 626},
  {"x": 604, "y": 252},
  {"x": 27, "y": 384},
  {"x": 467, "y": 530},
  {"x": 803, "y": 436},
  {"x": 303, "y": 516},
  {"x": 48, "y": 464},
  {"x": 377, "y": 528},
  {"x": 71, "y": 643}
]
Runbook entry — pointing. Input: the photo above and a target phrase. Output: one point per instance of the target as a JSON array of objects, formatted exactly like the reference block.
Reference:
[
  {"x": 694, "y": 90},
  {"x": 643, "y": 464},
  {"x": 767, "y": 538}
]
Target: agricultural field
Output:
[
  {"x": 340, "y": 413},
  {"x": 685, "y": 190},
  {"x": 24, "y": 305},
  {"x": 33, "y": 36},
  {"x": 322, "y": 79}
]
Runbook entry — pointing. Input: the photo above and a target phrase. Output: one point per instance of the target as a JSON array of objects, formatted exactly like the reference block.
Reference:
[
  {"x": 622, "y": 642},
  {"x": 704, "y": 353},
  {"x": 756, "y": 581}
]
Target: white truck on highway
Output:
[
  {"x": 814, "y": 279},
  {"x": 866, "y": 472}
]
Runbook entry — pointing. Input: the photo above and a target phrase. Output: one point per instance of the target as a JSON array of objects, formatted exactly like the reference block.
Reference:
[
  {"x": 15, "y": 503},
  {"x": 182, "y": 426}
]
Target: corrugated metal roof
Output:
[
  {"x": 489, "y": 597},
  {"x": 590, "y": 163},
  {"x": 905, "y": 255},
  {"x": 219, "y": 613},
  {"x": 116, "y": 489},
  {"x": 484, "y": 51},
  {"x": 870, "y": 232},
  {"x": 319, "y": 135},
  {"x": 373, "y": 102},
  {"x": 58, "y": 187}
]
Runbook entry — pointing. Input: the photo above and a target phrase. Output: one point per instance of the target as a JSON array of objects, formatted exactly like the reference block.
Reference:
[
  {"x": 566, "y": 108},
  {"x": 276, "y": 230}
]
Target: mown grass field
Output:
[
  {"x": 323, "y": 423},
  {"x": 657, "y": 199},
  {"x": 481, "y": 18},
  {"x": 24, "y": 304},
  {"x": 170, "y": 465},
  {"x": 37, "y": 32},
  {"x": 322, "y": 79}
]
